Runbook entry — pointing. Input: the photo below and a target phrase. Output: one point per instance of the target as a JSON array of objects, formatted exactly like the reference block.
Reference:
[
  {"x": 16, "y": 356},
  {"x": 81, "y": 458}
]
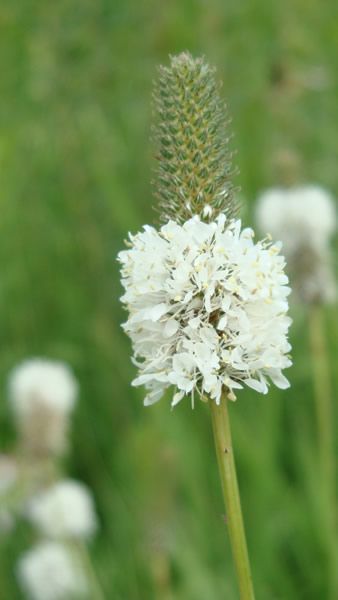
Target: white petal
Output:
[
  {"x": 222, "y": 322},
  {"x": 259, "y": 386},
  {"x": 195, "y": 323},
  {"x": 280, "y": 380},
  {"x": 153, "y": 397},
  {"x": 158, "y": 311},
  {"x": 147, "y": 377},
  {"x": 170, "y": 328},
  {"x": 177, "y": 398}
]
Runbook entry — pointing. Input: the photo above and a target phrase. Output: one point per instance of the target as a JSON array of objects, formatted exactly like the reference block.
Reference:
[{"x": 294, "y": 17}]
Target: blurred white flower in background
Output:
[
  {"x": 305, "y": 220},
  {"x": 297, "y": 212},
  {"x": 50, "y": 571},
  {"x": 65, "y": 510},
  {"x": 207, "y": 309},
  {"x": 42, "y": 395}
]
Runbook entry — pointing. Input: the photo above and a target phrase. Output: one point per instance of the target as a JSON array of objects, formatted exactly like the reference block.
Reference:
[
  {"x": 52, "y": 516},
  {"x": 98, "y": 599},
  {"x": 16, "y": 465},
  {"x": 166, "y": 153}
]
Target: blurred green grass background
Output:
[{"x": 75, "y": 171}]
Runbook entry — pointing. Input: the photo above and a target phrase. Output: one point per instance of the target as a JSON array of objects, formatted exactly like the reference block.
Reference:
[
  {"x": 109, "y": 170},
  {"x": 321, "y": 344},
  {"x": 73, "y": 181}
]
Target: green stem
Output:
[
  {"x": 95, "y": 587},
  {"x": 227, "y": 469},
  {"x": 323, "y": 393},
  {"x": 326, "y": 447}
]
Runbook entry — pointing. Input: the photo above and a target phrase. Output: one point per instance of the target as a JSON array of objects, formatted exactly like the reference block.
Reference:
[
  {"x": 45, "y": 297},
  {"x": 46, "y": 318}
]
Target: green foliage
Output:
[{"x": 194, "y": 161}]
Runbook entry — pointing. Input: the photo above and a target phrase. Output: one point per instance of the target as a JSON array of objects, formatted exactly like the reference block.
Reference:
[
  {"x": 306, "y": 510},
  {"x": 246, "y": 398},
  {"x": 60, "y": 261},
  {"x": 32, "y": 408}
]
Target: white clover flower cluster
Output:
[
  {"x": 305, "y": 219},
  {"x": 50, "y": 571},
  {"x": 207, "y": 309},
  {"x": 42, "y": 395},
  {"x": 65, "y": 510}
]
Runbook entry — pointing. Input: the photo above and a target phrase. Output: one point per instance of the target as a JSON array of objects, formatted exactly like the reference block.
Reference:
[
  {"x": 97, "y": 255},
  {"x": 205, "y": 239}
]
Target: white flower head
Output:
[
  {"x": 304, "y": 219},
  {"x": 50, "y": 571},
  {"x": 207, "y": 309},
  {"x": 42, "y": 395},
  {"x": 291, "y": 213},
  {"x": 65, "y": 510}
]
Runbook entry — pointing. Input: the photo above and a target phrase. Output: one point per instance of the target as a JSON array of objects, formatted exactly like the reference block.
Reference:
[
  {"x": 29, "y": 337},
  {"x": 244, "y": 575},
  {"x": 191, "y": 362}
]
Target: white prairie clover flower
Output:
[
  {"x": 42, "y": 395},
  {"x": 50, "y": 571},
  {"x": 207, "y": 309},
  {"x": 304, "y": 218},
  {"x": 65, "y": 510}
]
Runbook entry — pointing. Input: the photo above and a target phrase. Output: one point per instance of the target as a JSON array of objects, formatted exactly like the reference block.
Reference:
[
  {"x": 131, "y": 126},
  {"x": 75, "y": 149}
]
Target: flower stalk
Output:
[
  {"x": 94, "y": 584},
  {"x": 323, "y": 394},
  {"x": 227, "y": 470},
  {"x": 326, "y": 447}
]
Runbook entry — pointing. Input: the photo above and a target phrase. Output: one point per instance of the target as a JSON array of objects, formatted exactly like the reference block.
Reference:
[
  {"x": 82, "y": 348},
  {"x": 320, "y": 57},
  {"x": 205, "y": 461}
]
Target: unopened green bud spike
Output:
[{"x": 194, "y": 170}]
